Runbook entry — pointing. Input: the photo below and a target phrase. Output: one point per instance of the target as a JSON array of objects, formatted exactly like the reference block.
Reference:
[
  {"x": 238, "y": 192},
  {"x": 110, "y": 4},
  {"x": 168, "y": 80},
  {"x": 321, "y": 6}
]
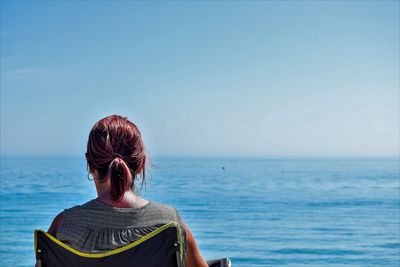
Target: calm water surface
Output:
[{"x": 259, "y": 212}]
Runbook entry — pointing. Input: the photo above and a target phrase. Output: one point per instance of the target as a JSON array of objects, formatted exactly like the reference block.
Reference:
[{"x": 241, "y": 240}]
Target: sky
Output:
[{"x": 203, "y": 78}]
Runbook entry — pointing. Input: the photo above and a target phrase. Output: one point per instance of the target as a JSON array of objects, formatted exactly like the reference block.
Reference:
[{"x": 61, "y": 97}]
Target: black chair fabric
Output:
[{"x": 161, "y": 250}]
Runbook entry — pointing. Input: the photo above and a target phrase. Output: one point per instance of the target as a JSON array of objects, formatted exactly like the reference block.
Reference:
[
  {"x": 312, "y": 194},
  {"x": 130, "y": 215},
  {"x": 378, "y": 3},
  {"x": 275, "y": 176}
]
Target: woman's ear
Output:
[{"x": 90, "y": 168}]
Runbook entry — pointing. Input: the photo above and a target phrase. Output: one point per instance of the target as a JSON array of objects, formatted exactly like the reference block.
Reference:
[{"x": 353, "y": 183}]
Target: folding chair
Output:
[{"x": 161, "y": 248}]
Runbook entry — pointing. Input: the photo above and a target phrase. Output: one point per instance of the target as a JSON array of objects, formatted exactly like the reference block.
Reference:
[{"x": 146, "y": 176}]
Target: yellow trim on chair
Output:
[{"x": 117, "y": 250}]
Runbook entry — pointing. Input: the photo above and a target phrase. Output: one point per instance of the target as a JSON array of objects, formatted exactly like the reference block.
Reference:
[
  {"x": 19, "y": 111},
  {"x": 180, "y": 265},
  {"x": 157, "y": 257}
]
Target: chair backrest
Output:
[{"x": 161, "y": 248}]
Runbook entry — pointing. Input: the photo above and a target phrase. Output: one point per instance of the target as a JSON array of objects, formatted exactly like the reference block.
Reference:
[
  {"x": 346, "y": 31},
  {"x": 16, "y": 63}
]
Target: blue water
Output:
[{"x": 259, "y": 212}]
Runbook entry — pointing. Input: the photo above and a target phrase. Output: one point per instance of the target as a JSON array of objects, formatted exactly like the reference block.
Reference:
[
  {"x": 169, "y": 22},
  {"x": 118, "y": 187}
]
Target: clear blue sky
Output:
[{"x": 203, "y": 78}]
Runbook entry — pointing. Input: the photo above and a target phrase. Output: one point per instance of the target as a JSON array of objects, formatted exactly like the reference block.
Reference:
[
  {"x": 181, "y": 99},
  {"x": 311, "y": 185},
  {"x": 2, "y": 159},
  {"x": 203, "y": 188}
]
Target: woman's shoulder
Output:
[
  {"x": 96, "y": 213},
  {"x": 163, "y": 207},
  {"x": 62, "y": 216},
  {"x": 56, "y": 223},
  {"x": 81, "y": 208},
  {"x": 162, "y": 210},
  {"x": 95, "y": 204}
]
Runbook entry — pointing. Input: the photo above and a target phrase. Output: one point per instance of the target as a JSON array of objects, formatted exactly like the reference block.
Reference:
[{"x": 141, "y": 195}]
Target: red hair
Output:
[{"x": 115, "y": 149}]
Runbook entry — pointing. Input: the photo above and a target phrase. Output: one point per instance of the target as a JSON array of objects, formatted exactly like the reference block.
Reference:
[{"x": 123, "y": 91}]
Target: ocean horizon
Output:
[{"x": 259, "y": 211}]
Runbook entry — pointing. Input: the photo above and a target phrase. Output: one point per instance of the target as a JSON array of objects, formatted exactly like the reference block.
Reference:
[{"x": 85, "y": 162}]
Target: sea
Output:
[{"x": 266, "y": 211}]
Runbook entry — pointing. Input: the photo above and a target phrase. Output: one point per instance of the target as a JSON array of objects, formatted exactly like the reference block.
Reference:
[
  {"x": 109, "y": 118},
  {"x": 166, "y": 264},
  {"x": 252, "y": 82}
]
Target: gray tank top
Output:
[{"x": 96, "y": 227}]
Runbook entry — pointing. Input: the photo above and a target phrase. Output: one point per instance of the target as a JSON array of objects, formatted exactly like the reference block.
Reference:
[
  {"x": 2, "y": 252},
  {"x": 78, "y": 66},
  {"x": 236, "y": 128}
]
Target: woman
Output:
[{"x": 116, "y": 159}]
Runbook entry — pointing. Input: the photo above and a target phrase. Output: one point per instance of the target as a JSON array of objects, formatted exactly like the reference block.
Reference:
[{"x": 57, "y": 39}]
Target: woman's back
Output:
[
  {"x": 97, "y": 227},
  {"x": 117, "y": 159}
]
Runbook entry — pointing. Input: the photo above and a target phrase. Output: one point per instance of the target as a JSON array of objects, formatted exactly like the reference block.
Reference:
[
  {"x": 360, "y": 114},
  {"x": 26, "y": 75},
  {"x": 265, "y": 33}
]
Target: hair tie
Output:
[{"x": 117, "y": 155}]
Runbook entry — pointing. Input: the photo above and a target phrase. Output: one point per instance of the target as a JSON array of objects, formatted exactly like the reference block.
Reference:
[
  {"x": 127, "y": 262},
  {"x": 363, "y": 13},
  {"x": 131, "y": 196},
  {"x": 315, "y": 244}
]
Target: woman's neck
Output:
[{"x": 129, "y": 200}]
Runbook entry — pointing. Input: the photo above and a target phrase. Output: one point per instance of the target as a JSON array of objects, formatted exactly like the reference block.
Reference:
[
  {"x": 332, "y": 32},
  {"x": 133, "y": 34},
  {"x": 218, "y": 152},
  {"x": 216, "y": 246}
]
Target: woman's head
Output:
[{"x": 115, "y": 149}]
